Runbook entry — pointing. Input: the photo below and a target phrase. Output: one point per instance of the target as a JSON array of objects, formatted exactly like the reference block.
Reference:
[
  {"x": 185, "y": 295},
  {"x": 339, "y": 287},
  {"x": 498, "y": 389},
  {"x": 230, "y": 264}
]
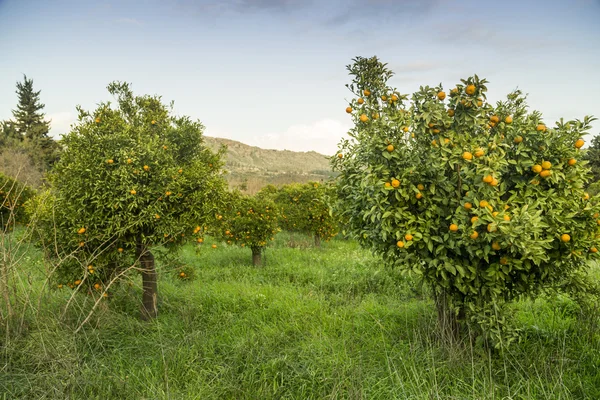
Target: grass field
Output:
[{"x": 329, "y": 323}]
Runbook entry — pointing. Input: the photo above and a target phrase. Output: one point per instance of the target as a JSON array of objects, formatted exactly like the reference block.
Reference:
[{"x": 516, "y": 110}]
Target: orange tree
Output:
[
  {"x": 13, "y": 196},
  {"x": 484, "y": 202},
  {"x": 305, "y": 208},
  {"x": 247, "y": 222},
  {"x": 132, "y": 176}
]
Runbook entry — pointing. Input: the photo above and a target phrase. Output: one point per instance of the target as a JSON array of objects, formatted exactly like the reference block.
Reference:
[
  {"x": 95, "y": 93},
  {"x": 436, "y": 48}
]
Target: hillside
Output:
[{"x": 252, "y": 168}]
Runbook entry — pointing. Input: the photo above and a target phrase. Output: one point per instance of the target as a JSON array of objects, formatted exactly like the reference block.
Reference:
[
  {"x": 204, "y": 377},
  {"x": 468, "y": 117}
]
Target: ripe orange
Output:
[
  {"x": 450, "y": 112},
  {"x": 496, "y": 246},
  {"x": 546, "y": 165},
  {"x": 348, "y": 110},
  {"x": 395, "y": 183},
  {"x": 408, "y": 237},
  {"x": 420, "y": 186},
  {"x": 153, "y": 122},
  {"x": 436, "y": 131},
  {"x": 487, "y": 179},
  {"x": 586, "y": 196},
  {"x": 441, "y": 95},
  {"x": 367, "y": 92},
  {"x": 394, "y": 97},
  {"x": 467, "y": 155},
  {"x": 418, "y": 196},
  {"x": 77, "y": 282},
  {"x": 454, "y": 92},
  {"x": 182, "y": 274},
  {"x": 483, "y": 203},
  {"x": 518, "y": 139},
  {"x": 506, "y": 217},
  {"x": 579, "y": 143},
  {"x": 565, "y": 237},
  {"x": 474, "y": 235},
  {"x": 81, "y": 231},
  {"x": 156, "y": 216},
  {"x": 400, "y": 244},
  {"x": 132, "y": 191},
  {"x": 200, "y": 240},
  {"x": 110, "y": 161},
  {"x": 364, "y": 118},
  {"x": 545, "y": 173},
  {"x": 479, "y": 153},
  {"x": 572, "y": 161},
  {"x": 537, "y": 168},
  {"x": 120, "y": 249},
  {"x": 508, "y": 120},
  {"x": 495, "y": 119},
  {"x": 468, "y": 206},
  {"x": 340, "y": 155},
  {"x": 405, "y": 129},
  {"x": 390, "y": 148},
  {"x": 129, "y": 161},
  {"x": 540, "y": 128},
  {"x": 593, "y": 250},
  {"x": 479, "y": 102},
  {"x": 494, "y": 182},
  {"x": 214, "y": 246},
  {"x": 96, "y": 286},
  {"x": 384, "y": 97},
  {"x": 146, "y": 168},
  {"x": 97, "y": 120},
  {"x": 453, "y": 227},
  {"x": 387, "y": 184},
  {"x": 474, "y": 219},
  {"x": 491, "y": 227},
  {"x": 470, "y": 90}
]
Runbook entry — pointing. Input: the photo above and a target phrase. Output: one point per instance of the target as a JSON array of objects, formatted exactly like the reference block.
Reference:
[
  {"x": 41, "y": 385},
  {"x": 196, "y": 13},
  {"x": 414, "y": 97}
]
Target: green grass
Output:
[{"x": 329, "y": 323}]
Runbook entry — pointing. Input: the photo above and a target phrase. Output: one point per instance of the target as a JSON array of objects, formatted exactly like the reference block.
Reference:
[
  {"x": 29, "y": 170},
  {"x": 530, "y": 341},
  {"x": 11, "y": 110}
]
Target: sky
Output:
[{"x": 271, "y": 73}]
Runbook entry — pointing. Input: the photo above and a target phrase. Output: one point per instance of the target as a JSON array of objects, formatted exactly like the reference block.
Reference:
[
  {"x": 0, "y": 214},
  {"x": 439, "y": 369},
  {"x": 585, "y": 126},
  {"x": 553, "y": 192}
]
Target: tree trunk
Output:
[
  {"x": 256, "y": 256},
  {"x": 448, "y": 320},
  {"x": 317, "y": 240},
  {"x": 149, "y": 307}
]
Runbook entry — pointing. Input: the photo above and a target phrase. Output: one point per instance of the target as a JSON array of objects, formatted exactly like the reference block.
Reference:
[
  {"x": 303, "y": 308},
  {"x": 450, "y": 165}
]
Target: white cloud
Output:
[
  {"x": 322, "y": 136},
  {"x": 60, "y": 123}
]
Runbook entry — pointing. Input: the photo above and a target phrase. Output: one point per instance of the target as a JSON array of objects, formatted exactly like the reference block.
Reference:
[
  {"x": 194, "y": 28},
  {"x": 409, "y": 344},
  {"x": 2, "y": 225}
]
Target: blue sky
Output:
[{"x": 271, "y": 73}]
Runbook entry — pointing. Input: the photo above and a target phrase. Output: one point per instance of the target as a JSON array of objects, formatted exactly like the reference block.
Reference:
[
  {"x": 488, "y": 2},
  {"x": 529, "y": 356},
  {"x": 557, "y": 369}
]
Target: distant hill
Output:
[{"x": 252, "y": 168}]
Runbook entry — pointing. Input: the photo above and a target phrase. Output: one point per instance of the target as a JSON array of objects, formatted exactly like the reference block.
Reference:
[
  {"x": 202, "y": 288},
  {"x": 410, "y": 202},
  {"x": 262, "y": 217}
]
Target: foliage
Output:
[
  {"x": 13, "y": 196},
  {"x": 247, "y": 222},
  {"x": 483, "y": 202},
  {"x": 131, "y": 177},
  {"x": 592, "y": 156},
  {"x": 305, "y": 208}
]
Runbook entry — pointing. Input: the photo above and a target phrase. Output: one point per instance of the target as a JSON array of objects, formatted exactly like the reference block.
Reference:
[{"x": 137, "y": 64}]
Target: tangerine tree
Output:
[
  {"x": 247, "y": 222},
  {"x": 132, "y": 176},
  {"x": 484, "y": 202},
  {"x": 306, "y": 208}
]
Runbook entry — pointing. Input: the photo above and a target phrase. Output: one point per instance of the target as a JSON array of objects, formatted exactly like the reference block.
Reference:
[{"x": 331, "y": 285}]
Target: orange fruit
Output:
[
  {"x": 129, "y": 161},
  {"x": 405, "y": 129},
  {"x": 545, "y": 173},
  {"x": 200, "y": 240},
  {"x": 360, "y": 100},
  {"x": 487, "y": 179},
  {"x": 384, "y": 97},
  {"x": 453, "y": 227},
  {"x": 348, "y": 110},
  {"x": 474, "y": 219},
  {"x": 395, "y": 183},
  {"x": 506, "y": 217},
  {"x": 375, "y": 116},
  {"x": 474, "y": 235},
  {"x": 214, "y": 246},
  {"x": 400, "y": 244},
  {"x": 565, "y": 237},
  {"x": 572, "y": 161},
  {"x": 182, "y": 274},
  {"x": 479, "y": 153},
  {"x": 454, "y": 92},
  {"x": 387, "y": 184},
  {"x": 495, "y": 119},
  {"x": 483, "y": 203},
  {"x": 394, "y": 97},
  {"x": 77, "y": 282},
  {"x": 586, "y": 196},
  {"x": 81, "y": 231},
  {"x": 508, "y": 120},
  {"x": 96, "y": 286},
  {"x": 540, "y": 128},
  {"x": 468, "y": 206},
  {"x": 156, "y": 216},
  {"x": 435, "y": 130},
  {"x": 441, "y": 95},
  {"x": 132, "y": 191},
  {"x": 364, "y": 118},
  {"x": 546, "y": 165},
  {"x": 390, "y": 148},
  {"x": 496, "y": 246},
  {"x": 420, "y": 186},
  {"x": 418, "y": 196},
  {"x": 518, "y": 139},
  {"x": 367, "y": 92},
  {"x": 491, "y": 227},
  {"x": 494, "y": 182},
  {"x": 120, "y": 249},
  {"x": 340, "y": 155},
  {"x": 470, "y": 90},
  {"x": 467, "y": 155},
  {"x": 593, "y": 250},
  {"x": 537, "y": 168},
  {"x": 579, "y": 143},
  {"x": 153, "y": 122},
  {"x": 503, "y": 261},
  {"x": 450, "y": 112},
  {"x": 110, "y": 161},
  {"x": 146, "y": 168},
  {"x": 408, "y": 237},
  {"x": 97, "y": 120}
]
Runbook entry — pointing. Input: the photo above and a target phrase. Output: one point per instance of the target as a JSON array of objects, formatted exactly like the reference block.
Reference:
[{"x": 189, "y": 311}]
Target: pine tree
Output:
[{"x": 31, "y": 125}]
